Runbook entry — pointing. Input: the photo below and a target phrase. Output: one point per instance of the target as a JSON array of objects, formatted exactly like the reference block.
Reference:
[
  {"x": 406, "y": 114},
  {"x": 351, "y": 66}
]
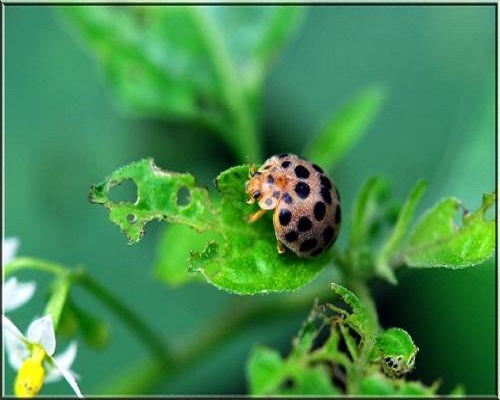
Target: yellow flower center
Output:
[{"x": 30, "y": 377}]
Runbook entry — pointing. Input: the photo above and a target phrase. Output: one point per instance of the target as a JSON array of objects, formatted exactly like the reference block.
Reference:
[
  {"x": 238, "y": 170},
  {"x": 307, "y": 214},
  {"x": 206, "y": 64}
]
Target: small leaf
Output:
[
  {"x": 391, "y": 246},
  {"x": 157, "y": 198},
  {"x": 344, "y": 130},
  {"x": 265, "y": 370},
  {"x": 311, "y": 381},
  {"x": 174, "y": 248},
  {"x": 357, "y": 317},
  {"x": 379, "y": 384},
  {"x": 366, "y": 210},
  {"x": 438, "y": 242},
  {"x": 397, "y": 351},
  {"x": 94, "y": 330}
]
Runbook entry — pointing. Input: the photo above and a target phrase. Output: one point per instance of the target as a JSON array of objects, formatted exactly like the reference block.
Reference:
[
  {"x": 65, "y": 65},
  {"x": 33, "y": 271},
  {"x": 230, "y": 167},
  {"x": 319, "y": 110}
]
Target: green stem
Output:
[
  {"x": 153, "y": 341},
  {"x": 244, "y": 314},
  {"x": 21, "y": 263},
  {"x": 65, "y": 277},
  {"x": 243, "y": 134}
]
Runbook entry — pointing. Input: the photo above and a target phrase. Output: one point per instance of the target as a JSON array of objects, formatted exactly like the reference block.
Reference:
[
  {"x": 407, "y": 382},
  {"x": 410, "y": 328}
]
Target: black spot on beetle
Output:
[
  {"x": 325, "y": 182},
  {"x": 270, "y": 179},
  {"x": 328, "y": 234},
  {"x": 304, "y": 224},
  {"x": 282, "y": 155},
  {"x": 302, "y": 189},
  {"x": 285, "y": 216},
  {"x": 291, "y": 236},
  {"x": 319, "y": 210},
  {"x": 327, "y": 196},
  {"x": 287, "y": 198},
  {"x": 387, "y": 359},
  {"x": 307, "y": 245},
  {"x": 268, "y": 202},
  {"x": 302, "y": 172},
  {"x": 285, "y": 164},
  {"x": 318, "y": 168},
  {"x": 276, "y": 194},
  {"x": 337, "y": 215}
]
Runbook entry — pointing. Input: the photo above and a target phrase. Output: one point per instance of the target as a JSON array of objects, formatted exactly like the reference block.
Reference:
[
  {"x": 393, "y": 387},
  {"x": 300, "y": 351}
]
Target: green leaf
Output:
[
  {"x": 358, "y": 318},
  {"x": 174, "y": 248},
  {"x": 202, "y": 65},
  {"x": 265, "y": 370},
  {"x": 391, "y": 246},
  {"x": 246, "y": 261},
  {"x": 396, "y": 352},
  {"x": 94, "y": 330},
  {"x": 311, "y": 381},
  {"x": 379, "y": 384},
  {"x": 438, "y": 242},
  {"x": 159, "y": 195},
  {"x": 240, "y": 258},
  {"x": 366, "y": 210},
  {"x": 344, "y": 130}
]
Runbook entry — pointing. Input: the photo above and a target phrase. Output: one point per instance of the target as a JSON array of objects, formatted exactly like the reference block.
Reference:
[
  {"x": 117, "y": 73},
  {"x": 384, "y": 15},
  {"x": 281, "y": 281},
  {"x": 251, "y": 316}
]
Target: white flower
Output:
[
  {"x": 9, "y": 249},
  {"x": 15, "y": 293},
  {"x": 32, "y": 355}
]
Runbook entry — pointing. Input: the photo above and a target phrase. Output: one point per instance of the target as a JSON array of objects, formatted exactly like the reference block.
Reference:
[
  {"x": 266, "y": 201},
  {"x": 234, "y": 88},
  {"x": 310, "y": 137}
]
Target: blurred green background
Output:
[{"x": 64, "y": 132}]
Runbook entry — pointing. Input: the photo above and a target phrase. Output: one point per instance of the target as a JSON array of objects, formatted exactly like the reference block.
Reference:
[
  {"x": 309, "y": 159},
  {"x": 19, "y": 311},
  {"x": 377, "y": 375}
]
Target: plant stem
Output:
[
  {"x": 64, "y": 275},
  {"x": 21, "y": 263},
  {"x": 150, "y": 339},
  {"x": 242, "y": 135},
  {"x": 148, "y": 374}
]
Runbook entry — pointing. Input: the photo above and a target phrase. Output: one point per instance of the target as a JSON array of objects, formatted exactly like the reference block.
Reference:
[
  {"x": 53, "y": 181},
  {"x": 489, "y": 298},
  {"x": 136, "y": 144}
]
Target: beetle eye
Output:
[{"x": 256, "y": 194}]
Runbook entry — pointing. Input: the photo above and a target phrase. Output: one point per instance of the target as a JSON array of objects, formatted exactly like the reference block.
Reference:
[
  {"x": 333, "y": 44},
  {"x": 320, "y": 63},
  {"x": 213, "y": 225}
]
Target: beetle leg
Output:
[
  {"x": 256, "y": 215},
  {"x": 280, "y": 247}
]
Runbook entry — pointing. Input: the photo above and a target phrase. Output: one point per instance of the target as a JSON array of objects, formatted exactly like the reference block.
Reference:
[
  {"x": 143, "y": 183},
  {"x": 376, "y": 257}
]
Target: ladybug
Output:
[{"x": 306, "y": 204}]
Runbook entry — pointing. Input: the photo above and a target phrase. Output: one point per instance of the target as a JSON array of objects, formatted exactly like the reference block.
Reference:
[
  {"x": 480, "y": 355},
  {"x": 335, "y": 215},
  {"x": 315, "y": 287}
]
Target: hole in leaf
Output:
[
  {"x": 321, "y": 338},
  {"x": 183, "y": 196},
  {"x": 288, "y": 383},
  {"x": 131, "y": 218},
  {"x": 124, "y": 192}
]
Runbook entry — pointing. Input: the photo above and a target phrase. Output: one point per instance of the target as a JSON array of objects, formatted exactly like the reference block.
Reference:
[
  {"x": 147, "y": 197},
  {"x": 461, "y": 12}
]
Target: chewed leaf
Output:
[
  {"x": 396, "y": 352},
  {"x": 235, "y": 255},
  {"x": 438, "y": 242},
  {"x": 246, "y": 260},
  {"x": 160, "y": 195}
]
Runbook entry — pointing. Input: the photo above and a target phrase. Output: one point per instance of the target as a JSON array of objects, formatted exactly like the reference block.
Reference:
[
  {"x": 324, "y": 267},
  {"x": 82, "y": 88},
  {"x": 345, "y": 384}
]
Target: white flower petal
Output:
[
  {"x": 41, "y": 331},
  {"x": 15, "y": 294},
  {"x": 9, "y": 249},
  {"x": 68, "y": 376},
  {"x": 16, "y": 350},
  {"x": 65, "y": 360},
  {"x": 9, "y": 325}
]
